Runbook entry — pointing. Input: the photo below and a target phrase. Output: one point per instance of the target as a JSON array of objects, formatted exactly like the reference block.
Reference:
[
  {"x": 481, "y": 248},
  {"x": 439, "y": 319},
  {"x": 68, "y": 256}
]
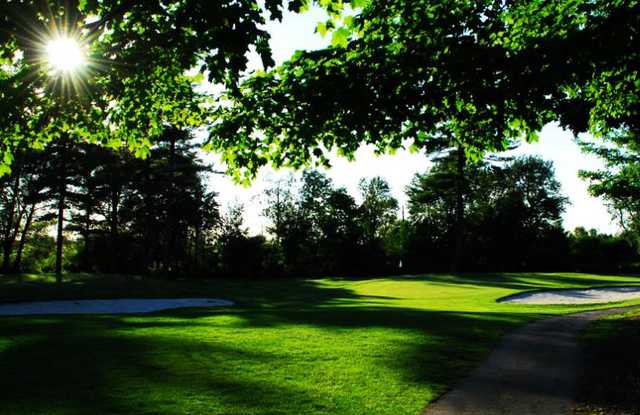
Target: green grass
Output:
[
  {"x": 610, "y": 383},
  {"x": 329, "y": 346}
]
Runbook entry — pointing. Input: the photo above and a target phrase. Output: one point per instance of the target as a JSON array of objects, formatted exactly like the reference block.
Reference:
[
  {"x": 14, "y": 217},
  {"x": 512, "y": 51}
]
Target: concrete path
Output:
[
  {"x": 116, "y": 306},
  {"x": 533, "y": 371}
]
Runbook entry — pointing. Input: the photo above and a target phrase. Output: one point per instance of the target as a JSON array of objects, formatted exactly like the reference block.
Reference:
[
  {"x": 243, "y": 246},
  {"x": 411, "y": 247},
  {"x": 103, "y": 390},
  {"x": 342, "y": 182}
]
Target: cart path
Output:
[{"x": 533, "y": 371}]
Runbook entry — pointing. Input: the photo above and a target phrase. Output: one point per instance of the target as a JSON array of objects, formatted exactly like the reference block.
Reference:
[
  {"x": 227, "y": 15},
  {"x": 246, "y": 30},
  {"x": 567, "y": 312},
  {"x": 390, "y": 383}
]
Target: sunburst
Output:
[{"x": 65, "y": 55}]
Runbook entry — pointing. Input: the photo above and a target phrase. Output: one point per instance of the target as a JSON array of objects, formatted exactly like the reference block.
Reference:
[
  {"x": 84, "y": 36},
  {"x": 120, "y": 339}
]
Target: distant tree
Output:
[
  {"x": 378, "y": 209},
  {"x": 512, "y": 212},
  {"x": 19, "y": 201},
  {"x": 280, "y": 205},
  {"x": 166, "y": 204},
  {"x": 240, "y": 255},
  {"x": 341, "y": 246},
  {"x": 526, "y": 197},
  {"x": 62, "y": 163},
  {"x": 317, "y": 227},
  {"x": 592, "y": 251},
  {"x": 377, "y": 213},
  {"x": 441, "y": 197}
]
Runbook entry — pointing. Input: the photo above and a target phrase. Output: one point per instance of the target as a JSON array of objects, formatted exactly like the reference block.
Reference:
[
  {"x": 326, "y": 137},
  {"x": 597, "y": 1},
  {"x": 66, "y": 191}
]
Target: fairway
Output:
[{"x": 340, "y": 346}]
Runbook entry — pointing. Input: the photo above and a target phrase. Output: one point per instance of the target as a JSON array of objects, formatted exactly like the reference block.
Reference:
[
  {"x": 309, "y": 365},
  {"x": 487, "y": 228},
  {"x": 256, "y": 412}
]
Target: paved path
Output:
[{"x": 533, "y": 371}]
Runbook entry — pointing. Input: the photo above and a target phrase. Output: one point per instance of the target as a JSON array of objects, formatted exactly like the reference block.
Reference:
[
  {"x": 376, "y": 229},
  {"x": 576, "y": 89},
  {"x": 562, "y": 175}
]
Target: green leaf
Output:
[
  {"x": 340, "y": 37},
  {"x": 321, "y": 29}
]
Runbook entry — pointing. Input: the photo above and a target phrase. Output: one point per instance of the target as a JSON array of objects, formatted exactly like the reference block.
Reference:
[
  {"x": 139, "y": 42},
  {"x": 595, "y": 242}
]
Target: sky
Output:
[{"x": 296, "y": 32}]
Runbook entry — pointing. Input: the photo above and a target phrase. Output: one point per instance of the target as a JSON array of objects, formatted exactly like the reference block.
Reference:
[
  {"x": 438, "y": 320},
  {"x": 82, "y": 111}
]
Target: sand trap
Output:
[
  {"x": 575, "y": 296},
  {"x": 119, "y": 306}
]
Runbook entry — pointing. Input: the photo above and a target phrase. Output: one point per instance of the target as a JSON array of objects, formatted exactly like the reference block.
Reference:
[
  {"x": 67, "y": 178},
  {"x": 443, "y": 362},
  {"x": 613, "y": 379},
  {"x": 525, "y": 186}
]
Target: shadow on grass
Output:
[
  {"x": 610, "y": 382},
  {"x": 168, "y": 363}
]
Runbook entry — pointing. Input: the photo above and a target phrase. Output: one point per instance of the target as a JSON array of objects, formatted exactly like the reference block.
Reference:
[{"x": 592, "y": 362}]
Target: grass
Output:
[
  {"x": 327, "y": 346},
  {"x": 610, "y": 384}
]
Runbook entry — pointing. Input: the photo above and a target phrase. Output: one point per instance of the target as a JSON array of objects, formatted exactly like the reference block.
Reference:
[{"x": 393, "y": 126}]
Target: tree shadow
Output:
[
  {"x": 71, "y": 365},
  {"x": 610, "y": 380}
]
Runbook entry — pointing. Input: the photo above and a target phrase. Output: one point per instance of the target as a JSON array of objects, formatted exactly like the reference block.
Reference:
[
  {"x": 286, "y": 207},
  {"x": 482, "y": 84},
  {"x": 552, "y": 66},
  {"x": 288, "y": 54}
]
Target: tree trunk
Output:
[
  {"x": 170, "y": 254},
  {"x": 59, "y": 240},
  {"x": 456, "y": 262},
  {"x": 62, "y": 190},
  {"x": 113, "y": 230},
  {"x": 12, "y": 223},
  {"x": 23, "y": 239},
  {"x": 6, "y": 255}
]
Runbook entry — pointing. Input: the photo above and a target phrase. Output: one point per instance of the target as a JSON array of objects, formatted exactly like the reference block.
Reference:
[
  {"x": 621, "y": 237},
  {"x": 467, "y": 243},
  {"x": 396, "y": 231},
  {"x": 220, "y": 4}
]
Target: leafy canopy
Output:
[
  {"x": 140, "y": 56},
  {"x": 478, "y": 73}
]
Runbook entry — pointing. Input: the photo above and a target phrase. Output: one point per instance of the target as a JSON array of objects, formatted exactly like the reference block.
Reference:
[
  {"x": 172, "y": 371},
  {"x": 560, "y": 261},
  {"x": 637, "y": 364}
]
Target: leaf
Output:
[
  {"x": 358, "y": 4},
  {"x": 340, "y": 37},
  {"x": 321, "y": 29}
]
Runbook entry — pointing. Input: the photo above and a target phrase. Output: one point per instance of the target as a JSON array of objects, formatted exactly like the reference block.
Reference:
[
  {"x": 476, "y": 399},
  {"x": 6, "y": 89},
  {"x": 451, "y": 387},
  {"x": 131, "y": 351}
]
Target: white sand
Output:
[
  {"x": 119, "y": 306},
  {"x": 576, "y": 296}
]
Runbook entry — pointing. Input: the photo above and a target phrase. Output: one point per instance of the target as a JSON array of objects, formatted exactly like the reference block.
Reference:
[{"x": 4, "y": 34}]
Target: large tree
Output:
[
  {"x": 137, "y": 53},
  {"x": 408, "y": 72}
]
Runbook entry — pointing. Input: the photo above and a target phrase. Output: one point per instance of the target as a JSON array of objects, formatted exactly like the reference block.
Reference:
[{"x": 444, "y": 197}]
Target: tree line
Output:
[{"x": 83, "y": 207}]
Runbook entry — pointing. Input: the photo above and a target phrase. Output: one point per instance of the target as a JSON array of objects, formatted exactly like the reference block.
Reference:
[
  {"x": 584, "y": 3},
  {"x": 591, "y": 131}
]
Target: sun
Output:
[{"x": 65, "y": 55}]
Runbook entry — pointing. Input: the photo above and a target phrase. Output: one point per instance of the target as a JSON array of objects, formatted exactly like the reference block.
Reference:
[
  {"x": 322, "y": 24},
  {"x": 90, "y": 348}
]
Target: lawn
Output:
[
  {"x": 326, "y": 346},
  {"x": 610, "y": 382}
]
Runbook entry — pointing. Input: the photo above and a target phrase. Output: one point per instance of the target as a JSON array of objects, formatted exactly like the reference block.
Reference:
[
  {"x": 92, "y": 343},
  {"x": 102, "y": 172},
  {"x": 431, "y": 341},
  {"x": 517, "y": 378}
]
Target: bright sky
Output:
[{"x": 297, "y": 32}]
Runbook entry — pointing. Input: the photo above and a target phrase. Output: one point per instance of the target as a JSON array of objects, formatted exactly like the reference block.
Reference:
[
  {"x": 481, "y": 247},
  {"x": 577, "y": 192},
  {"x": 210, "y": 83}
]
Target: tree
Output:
[
  {"x": 528, "y": 198},
  {"x": 377, "y": 213},
  {"x": 239, "y": 254},
  {"x": 619, "y": 182},
  {"x": 138, "y": 53},
  {"x": 406, "y": 72},
  {"x": 512, "y": 212},
  {"x": 317, "y": 227},
  {"x": 18, "y": 205},
  {"x": 441, "y": 197},
  {"x": 343, "y": 235},
  {"x": 138, "y": 215},
  {"x": 165, "y": 207},
  {"x": 61, "y": 162},
  {"x": 592, "y": 251}
]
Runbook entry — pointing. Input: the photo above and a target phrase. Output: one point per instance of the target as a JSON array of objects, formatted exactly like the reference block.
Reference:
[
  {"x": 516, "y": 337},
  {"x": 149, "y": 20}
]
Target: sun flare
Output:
[{"x": 64, "y": 54}]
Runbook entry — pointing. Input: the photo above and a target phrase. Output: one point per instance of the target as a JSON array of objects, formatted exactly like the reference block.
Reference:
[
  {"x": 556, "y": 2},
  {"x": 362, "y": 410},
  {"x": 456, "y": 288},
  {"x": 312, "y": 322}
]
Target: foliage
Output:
[
  {"x": 521, "y": 195},
  {"x": 131, "y": 215},
  {"x": 378, "y": 208},
  {"x": 127, "y": 215},
  {"x": 477, "y": 73},
  {"x": 597, "y": 252},
  {"x": 619, "y": 182},
  {"x": 315, "y": 226},
  {"x": 137, "y": 79}
]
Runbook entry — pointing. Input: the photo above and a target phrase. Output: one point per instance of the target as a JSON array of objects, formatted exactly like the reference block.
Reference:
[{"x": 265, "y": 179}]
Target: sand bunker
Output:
[
  {"x": 119, "y": 306},
  {"x": 575, "y": 296}
]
